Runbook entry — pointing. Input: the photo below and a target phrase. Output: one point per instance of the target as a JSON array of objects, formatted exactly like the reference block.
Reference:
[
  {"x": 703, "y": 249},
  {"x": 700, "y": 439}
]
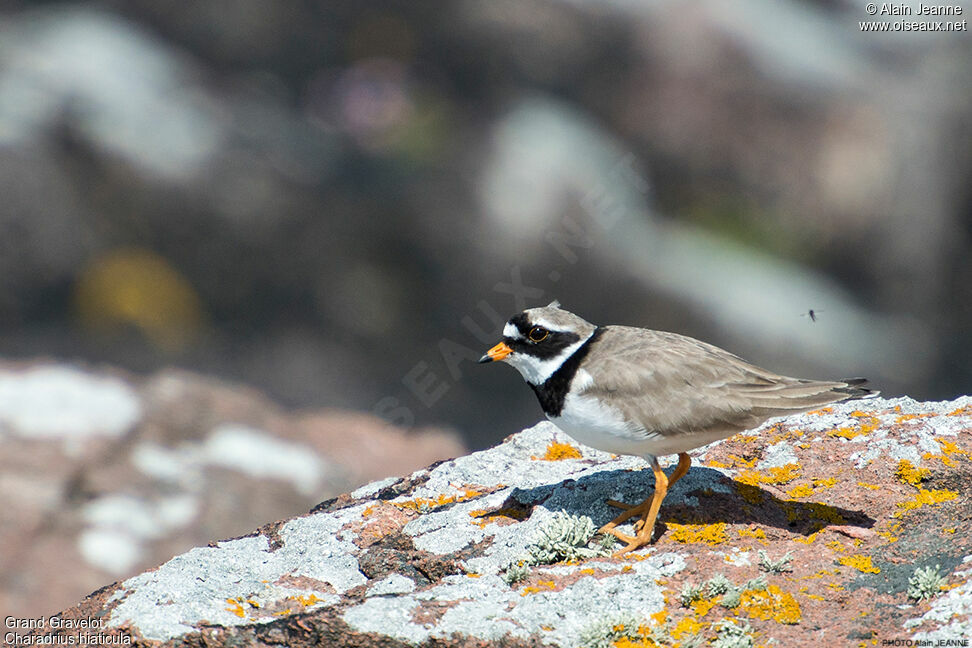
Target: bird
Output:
[{"x": 636, "y": 391}]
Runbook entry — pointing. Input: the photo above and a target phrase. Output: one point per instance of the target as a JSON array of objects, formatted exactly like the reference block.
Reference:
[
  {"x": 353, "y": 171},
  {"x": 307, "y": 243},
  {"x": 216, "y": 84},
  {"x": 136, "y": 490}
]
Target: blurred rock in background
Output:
[{"x": 103, "y": 475}]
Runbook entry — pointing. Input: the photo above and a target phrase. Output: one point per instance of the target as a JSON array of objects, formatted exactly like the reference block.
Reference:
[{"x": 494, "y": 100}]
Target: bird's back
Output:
[{"x": 676, "y": 385}]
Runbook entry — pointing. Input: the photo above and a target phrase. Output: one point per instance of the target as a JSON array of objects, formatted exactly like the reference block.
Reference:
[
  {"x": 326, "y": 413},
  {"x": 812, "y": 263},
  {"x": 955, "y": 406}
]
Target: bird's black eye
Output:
[{"x": 538, "y": 334}]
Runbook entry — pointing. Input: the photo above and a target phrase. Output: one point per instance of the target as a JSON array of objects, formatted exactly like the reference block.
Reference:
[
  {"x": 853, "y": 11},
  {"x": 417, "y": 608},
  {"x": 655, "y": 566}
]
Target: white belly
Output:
[
  {"x": 599, "y": 426},
  {"x": 588, "y": 421}
]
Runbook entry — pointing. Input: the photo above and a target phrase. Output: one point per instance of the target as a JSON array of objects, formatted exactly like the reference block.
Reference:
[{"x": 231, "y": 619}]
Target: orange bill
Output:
[{"x": 498, "y": 352}]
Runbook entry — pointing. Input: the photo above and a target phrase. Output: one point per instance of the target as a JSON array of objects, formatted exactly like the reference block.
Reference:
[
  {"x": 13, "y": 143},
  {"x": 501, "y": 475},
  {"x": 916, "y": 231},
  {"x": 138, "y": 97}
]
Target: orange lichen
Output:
[
  {"x": 908, "y": 473},
  {"x": 587, "y": 572},
  {"x": 782, "y": 474},
  {"x": 822, "y": 411},
  {"x": 752, "y": 532},
  {"x": 836, "y": 546},
  {"x": 887, "y": 535},
  {"x": 771, "y": 603},
  {"x": 865, "y": 427},
  {"x": 711, "y": 534},
  {"x": 892, "y": 529},
  {"x": 859, "y": 562},
  {"x": 747, "y": 481},
  {"x": 473, "y": 575},
  {"x": 541, "y": 586},
  {"x": 237, "y": 608},
  {"x": 642, "y": 641},
  {"x": 803, "y": 490},
  {"x": 812, "y": 511},
  {"x": 949, "y": 447},
  {"x": 776, "y": 475},
  {"x": 712, "y": 463},
  {"x": 482, "y": 517},
  {"x": 810, "y": 538},
  {"x": 748, "y": 477},
  {"x": 687, "y": 626},
  {"x": 869, "y": 486},
  {"x": 846, "y": 432},
  {"x": 962, "y": 411},
  {"x": 422, "y": 504},
  {"x": 369, "y": 511},
  {"x": 558, "y": 452},
  {"x": 740, "y": 462},
  {"x": 910, "y": 417},
  {"x": 701, "y": 607},
  {"x": 820, "y": 484},
  {"x": 925, "y": 497}
]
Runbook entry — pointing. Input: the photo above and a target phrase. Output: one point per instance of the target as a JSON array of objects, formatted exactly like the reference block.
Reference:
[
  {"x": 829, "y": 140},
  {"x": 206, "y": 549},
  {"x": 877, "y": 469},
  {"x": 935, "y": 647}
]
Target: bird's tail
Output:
[{"x": 855, "y": 389}]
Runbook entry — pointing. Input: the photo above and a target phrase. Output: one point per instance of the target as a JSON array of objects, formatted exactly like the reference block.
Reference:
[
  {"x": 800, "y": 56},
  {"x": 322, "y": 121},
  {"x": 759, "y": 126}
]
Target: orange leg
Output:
[
  {"x": 684, "y": 462},
  {"x": 648, "y": 509}
]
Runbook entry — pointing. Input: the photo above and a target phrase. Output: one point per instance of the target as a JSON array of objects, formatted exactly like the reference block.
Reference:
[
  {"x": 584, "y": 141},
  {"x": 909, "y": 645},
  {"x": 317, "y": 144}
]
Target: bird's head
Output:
[{"x": 538, "y": 340}]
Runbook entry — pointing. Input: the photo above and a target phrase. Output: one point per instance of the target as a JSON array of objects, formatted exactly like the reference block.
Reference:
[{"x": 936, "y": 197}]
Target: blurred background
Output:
[
  {"x": 338, "y": 204},
  {"x": 310, "y": 198}
]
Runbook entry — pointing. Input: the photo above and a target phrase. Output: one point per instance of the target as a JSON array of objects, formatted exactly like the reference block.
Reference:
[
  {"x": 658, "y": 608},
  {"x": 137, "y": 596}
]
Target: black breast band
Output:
[{"x": 553, "y": 391}]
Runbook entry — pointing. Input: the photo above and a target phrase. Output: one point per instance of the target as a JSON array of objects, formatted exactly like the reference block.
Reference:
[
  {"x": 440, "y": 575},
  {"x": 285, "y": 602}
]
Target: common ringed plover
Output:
[{"x": 635, "y": 391}]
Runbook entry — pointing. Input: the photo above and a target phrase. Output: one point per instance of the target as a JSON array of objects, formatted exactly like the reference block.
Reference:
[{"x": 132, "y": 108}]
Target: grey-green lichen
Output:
[
  {"x": 758, "y": 584},
  {"x": 603, "y": 633},
  {"x": 731, "y": 599},
  {"x": 517, "y": 571},
  {"x": 925, "y": 583},
  {"x": 719, "y": 584},
  {"x": 564, "y": 537},
  {"x": 690, "y": 594},
  {"x": 775, "y": 566},
  {"x": 730, "y": 635}
]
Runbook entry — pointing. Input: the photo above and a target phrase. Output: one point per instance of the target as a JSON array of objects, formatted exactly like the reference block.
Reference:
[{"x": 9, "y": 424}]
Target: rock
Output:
[
  {"x": 103, "y": 474},
  {"x": 812, "y": 525}
]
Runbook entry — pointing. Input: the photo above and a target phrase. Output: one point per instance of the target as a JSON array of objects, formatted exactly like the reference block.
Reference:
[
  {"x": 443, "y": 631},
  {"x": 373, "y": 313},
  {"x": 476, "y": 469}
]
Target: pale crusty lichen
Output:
[{"x": 925, "y": 583}]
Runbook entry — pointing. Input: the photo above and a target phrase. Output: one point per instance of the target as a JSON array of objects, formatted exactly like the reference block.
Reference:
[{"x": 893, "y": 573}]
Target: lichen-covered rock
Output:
[{"x": 811, "y": 526}]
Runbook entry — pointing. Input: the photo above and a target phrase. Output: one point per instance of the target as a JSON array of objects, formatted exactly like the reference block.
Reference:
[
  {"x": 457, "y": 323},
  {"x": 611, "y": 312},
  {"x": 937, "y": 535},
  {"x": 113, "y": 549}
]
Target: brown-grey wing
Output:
[{"x": 674, "y": 384}]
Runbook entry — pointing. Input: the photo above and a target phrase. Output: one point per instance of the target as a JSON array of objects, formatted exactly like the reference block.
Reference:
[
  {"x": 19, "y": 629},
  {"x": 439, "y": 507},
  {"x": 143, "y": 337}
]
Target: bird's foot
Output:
[{"x": 643, "y": 533}]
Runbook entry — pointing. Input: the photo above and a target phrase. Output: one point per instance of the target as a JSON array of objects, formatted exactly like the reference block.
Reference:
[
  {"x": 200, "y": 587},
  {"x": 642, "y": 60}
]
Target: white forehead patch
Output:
[
  {"x": 545, "y": 323},
  {"x": 511, "y": 331}
]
